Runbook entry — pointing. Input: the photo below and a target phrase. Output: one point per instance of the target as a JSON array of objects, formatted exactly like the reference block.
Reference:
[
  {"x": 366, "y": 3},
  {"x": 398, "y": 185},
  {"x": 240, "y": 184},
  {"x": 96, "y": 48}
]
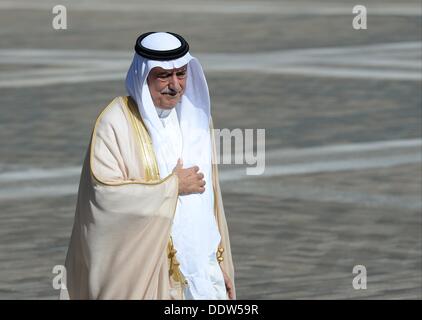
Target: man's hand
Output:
[
  {"x": 229, "y": 284},
  {"x": 190, "y": 181}
]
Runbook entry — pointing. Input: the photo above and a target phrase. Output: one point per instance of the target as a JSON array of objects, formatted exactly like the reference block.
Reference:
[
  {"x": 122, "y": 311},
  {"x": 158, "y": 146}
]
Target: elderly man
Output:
[{"x": 149, "y": 222}]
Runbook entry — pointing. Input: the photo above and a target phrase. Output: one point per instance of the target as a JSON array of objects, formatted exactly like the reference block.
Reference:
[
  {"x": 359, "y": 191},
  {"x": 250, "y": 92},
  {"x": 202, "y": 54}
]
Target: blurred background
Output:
[{"x": 341, "y": 109}]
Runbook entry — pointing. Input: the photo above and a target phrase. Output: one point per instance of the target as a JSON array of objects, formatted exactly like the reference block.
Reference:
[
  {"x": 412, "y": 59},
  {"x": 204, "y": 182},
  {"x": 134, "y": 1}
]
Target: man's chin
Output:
[
  {"x": 168, "y": 107},
  {"x": 170, "y": 104}
]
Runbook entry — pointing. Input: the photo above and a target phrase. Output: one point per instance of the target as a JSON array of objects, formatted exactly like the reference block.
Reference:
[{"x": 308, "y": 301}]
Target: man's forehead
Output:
[{"x": 159, "y": 69}]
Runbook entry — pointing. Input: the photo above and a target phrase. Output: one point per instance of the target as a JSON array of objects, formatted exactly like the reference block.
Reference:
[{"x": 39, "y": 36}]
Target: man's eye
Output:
[{"x": 181, "y": 73}]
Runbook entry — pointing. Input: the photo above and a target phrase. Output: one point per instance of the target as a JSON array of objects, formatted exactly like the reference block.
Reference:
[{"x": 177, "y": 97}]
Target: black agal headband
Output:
[{"x": 161, "y": 54}]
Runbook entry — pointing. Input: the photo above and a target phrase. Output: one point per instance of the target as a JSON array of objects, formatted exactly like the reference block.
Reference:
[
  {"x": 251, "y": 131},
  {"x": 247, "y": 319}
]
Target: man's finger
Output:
[
  {"x": 193, "y": 170},
  {"x": 230, "y": 291},
  {"x": 231, "y": 294},
  {"x": 179, "y": 165}
]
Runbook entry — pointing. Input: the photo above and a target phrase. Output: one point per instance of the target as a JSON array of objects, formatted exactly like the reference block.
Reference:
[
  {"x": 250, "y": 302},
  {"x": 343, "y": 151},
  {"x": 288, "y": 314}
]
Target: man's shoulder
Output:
[{"x": 112, "y": 114}]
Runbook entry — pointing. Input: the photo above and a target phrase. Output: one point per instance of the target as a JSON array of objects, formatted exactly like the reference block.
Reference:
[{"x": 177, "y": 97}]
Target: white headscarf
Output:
[{"x": 194, "y": 231}]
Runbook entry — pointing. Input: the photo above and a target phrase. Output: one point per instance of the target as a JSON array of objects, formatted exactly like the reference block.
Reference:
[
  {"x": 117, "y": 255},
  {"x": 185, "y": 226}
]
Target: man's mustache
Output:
[{"x": 170, "y": 92}]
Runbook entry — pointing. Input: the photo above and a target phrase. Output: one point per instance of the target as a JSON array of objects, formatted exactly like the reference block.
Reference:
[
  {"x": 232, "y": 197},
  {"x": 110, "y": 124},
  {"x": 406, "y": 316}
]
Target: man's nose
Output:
[{"x": 174, "y": 83}]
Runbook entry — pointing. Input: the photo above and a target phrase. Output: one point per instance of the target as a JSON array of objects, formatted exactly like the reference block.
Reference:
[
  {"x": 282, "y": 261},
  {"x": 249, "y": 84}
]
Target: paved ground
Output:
[{"x": 341, "y": 109}]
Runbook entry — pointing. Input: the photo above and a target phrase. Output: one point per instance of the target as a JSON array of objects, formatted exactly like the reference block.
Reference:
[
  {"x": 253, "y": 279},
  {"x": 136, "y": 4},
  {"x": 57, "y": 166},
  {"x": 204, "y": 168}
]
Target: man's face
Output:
[{"x": 167, "y": 86}]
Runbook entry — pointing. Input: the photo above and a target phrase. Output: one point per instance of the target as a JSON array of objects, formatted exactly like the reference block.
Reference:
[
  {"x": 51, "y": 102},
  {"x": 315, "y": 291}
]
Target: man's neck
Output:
[{"x": 163, "y": 113}]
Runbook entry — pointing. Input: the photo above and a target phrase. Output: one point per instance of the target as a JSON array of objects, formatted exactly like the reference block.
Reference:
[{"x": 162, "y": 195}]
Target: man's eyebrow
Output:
[{"x": 163, "y": 73}]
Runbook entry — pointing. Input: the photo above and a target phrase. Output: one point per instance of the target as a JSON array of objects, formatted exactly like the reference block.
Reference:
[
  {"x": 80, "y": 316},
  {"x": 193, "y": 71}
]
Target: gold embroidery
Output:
[
  {"x": 174, "y": 270},
  {"x": 220, "y": 254}
]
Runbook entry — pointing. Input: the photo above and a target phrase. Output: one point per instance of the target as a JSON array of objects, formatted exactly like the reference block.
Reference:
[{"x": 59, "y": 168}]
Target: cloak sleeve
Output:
[{"x": 122, "y": 223}]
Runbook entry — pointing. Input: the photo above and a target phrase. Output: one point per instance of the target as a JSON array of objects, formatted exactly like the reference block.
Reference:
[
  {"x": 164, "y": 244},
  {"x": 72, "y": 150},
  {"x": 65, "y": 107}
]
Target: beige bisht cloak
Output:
[{"x": 121, "y": 246}]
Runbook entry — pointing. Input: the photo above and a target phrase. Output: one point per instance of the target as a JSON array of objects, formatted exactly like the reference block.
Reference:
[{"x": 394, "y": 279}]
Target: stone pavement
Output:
[{"x": 342, "y": 114}]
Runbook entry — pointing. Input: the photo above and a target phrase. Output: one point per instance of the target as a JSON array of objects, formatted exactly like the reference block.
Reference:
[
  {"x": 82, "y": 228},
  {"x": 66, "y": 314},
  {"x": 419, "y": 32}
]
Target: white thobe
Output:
[{"x": 209, "y": 284}]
